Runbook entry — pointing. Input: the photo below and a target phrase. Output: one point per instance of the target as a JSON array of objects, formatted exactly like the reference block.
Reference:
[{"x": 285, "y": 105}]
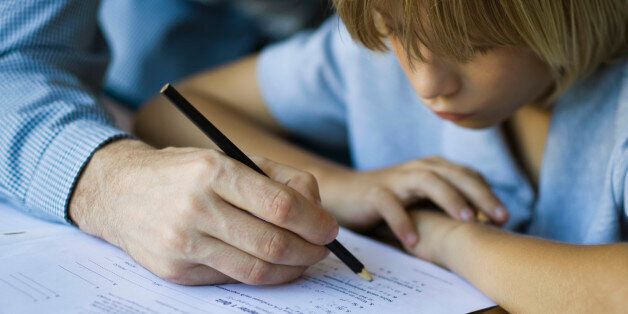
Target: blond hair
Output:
[{"x": 573, "y": 37}]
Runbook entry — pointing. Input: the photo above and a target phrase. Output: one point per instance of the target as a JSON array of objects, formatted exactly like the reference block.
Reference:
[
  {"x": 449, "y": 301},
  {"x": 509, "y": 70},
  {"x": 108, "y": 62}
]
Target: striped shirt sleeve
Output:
[{"x": 52, "y": 63}]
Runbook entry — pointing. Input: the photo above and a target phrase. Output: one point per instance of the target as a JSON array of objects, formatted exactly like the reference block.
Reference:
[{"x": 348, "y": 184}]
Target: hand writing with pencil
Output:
[
  {"x": 359, "y": 199},
  {"x": 194, "y": 216}
]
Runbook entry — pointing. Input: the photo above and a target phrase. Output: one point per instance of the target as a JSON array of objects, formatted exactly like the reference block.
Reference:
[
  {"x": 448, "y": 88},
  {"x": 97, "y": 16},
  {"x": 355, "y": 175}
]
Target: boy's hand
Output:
[
  {"x": 437, "y": 232},
  {"x": 360, "y": 199},
  {"x": 195, "y": 216}
]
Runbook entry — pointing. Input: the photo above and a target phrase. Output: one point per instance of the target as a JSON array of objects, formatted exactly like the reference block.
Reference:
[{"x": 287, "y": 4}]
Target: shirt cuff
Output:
[{"x": 61, "y": 166}]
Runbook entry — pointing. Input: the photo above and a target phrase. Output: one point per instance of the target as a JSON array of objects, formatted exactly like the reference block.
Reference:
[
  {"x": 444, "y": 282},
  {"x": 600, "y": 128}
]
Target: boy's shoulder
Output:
[{"x": 601, "y": 99}]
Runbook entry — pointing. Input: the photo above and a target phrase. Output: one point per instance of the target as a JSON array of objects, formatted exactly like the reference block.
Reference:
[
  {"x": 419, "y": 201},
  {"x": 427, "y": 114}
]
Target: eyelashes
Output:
[{"x": 482, "y": 50}]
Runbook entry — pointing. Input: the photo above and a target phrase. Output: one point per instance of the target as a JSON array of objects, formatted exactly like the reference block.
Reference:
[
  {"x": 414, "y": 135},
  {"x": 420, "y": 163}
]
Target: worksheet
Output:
[{"x": 52, "y": 268}]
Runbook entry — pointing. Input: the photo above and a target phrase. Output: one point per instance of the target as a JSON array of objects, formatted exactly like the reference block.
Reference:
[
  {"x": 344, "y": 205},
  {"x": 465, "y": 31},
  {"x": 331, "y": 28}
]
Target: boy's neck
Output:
[{"x": 528, "y": 131}]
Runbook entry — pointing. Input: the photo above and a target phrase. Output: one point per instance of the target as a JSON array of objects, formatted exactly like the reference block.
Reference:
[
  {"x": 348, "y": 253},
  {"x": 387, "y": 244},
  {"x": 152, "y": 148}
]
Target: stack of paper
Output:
[{"x": 51, "y": 268}]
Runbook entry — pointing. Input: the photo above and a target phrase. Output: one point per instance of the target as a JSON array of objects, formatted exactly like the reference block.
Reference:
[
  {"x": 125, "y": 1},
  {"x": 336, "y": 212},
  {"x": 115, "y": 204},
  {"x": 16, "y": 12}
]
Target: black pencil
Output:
[{"x": 234, "y": 152}]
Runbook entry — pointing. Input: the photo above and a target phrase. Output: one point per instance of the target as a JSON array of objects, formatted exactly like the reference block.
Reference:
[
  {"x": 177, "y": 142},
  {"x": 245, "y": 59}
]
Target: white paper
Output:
[{"x": 51, "y": 268}]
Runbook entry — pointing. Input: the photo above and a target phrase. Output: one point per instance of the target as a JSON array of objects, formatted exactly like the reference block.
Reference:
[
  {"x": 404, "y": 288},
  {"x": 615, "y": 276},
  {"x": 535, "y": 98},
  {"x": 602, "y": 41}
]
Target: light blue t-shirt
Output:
[{"x": 333, "y": 92}]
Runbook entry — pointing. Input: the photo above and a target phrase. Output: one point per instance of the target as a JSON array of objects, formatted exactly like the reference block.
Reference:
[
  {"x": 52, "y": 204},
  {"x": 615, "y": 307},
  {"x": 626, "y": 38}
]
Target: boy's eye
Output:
[{"x": 482, "y": 49}]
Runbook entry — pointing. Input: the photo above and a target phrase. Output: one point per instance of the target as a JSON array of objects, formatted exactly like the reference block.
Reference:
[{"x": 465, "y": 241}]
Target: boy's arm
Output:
[
  {"x": 296, "y": 79},
  {"x": 525, "y": 274}
]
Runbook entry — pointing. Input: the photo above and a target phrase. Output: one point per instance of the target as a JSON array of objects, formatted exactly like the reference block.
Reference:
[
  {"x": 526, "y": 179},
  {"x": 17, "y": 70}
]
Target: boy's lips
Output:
[{"x": 452, "y": 116}]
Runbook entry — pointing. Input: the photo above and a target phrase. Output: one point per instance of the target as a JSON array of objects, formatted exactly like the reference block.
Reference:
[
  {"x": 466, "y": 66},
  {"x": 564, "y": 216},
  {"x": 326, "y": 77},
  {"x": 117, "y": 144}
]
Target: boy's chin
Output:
[{"x": 476, "y": 124}]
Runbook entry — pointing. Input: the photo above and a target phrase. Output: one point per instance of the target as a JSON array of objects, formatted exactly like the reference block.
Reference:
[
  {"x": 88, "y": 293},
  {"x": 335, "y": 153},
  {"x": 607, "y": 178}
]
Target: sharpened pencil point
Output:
[
  {"x": 366, "y": 275},
  {"x": 164, "y": 88}
]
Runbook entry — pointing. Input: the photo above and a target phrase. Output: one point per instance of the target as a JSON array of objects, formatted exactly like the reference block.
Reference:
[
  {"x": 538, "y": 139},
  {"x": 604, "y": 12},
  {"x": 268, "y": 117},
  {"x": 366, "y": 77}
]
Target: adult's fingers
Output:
[
  {"x": 242, "y": 266},
  {"x": 258, "y": 237},
  {"x": 198, "y": 275},
  {"x": 301, "y": 181},
  {"x": 273, "y": 202}
]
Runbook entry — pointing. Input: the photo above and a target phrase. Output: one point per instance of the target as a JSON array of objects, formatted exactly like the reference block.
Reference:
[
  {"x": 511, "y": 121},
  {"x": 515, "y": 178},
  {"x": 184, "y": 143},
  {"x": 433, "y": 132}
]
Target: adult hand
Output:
[
  {"x": 194, "y": 216},
  {"x": 360, "y": 199}
]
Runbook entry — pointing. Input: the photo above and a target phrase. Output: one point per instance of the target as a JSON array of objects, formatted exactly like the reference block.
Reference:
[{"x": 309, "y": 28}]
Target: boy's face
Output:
[{"x": 482, "y": 92}]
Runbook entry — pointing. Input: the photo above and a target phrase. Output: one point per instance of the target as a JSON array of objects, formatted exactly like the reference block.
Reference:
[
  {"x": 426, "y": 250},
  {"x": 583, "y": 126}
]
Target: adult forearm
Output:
[{"x": 525, "y": 274}]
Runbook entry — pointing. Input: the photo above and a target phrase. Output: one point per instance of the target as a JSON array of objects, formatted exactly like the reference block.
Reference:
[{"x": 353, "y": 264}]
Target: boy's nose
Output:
[{"x": 434, "y": 79}]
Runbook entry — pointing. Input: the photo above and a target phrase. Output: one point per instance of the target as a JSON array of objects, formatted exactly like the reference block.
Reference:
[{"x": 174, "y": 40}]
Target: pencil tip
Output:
[
  {"x": 366, "y": 275},
  {"x": 164, "y": 88}
]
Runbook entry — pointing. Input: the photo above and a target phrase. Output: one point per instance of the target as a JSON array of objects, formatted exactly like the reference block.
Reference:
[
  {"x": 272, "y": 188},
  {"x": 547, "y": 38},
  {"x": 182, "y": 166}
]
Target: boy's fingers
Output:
[
  {"x": 476, "y": 190},
  {"x": 396, "y": 216},
  {"x": 430, "y": 185}
]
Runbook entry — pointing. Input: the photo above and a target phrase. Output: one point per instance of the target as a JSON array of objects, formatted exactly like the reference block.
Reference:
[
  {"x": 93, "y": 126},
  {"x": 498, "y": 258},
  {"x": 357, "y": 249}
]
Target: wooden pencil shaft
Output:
[
  {"x": 344, "y": 255},
  {"x": 208, "y": 128}
]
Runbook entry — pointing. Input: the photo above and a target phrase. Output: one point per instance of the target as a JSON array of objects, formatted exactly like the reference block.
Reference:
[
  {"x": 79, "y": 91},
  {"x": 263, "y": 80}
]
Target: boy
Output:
[{"x": 500, "y": 73}]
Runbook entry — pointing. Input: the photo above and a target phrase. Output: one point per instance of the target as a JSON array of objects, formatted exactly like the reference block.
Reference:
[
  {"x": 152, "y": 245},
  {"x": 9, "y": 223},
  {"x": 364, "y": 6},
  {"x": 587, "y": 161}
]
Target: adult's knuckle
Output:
[
  {"x": 201, "y": 168},
  {"x": 210, "y": 166},
  {"x": 179, "y": 242},
  {"x": 174, "y": 274},
  {"x": 257, "y": 273},
  {"x": 307, "y": 180},
  {"x": 277, "y": 247},
  {"x": 279, "y": 205},
  {"x": 192, "y": 206}
]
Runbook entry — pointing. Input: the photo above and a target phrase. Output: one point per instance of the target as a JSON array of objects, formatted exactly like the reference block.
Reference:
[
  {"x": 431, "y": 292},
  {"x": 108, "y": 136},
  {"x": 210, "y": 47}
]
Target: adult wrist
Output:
[{"x": 89, "y": 204}]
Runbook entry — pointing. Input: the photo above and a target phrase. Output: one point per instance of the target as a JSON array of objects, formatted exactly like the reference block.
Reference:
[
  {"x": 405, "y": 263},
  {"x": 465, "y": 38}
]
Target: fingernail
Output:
[
  {"x": 410, "y": 239},
  {"x": 500, "y": 213},
  {"x": 466, "y": 214}
]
